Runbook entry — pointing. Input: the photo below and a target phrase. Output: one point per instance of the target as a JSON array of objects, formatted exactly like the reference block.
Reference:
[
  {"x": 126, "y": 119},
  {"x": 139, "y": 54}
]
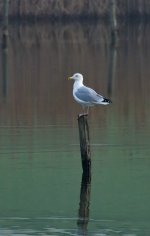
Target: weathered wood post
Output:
[
  {"x": 85, "y": 144},
  {"x": 84, "y": 204}
]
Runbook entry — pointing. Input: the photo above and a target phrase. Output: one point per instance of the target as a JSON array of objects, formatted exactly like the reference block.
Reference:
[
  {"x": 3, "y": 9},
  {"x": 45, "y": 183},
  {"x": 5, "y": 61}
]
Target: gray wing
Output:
[{"x": 88, "y": 95}]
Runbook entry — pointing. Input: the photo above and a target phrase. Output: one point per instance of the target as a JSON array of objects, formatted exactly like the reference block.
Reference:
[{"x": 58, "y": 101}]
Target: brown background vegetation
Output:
[
  {"x": 42, "y": 56},
  {"x": 75, "y": 8}
]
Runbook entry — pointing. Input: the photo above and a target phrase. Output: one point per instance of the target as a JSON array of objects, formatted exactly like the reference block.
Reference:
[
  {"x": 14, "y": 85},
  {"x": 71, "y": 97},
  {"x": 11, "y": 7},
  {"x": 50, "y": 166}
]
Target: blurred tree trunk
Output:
[
  {"x": 112, "y": 46},
  {"x": 5, "y": 11},
  {"x": 5, "y": 18},
  {"x": 5, "y": 47},
  {"x": 113, "y": 20}
]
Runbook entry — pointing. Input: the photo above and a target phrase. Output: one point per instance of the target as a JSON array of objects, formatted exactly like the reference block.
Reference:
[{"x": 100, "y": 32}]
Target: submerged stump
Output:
[{"x": 84, "y": 144}]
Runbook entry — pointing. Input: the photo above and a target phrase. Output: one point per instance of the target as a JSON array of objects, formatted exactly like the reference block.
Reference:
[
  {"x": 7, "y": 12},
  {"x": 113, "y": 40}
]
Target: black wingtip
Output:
[{"x": 107, "y": 100}]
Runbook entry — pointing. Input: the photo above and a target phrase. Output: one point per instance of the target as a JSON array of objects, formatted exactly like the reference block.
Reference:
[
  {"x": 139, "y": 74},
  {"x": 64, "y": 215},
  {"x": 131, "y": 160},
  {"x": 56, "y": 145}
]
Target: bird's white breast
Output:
[{"x": 76, "y": 86}]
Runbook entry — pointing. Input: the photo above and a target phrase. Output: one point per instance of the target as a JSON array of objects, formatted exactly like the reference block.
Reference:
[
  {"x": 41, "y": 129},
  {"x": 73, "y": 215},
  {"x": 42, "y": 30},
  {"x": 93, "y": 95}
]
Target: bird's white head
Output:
[{"x": 77, "y": 77}]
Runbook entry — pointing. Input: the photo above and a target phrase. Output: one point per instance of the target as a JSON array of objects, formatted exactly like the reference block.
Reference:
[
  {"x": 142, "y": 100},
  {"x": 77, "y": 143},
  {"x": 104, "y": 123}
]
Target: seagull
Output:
[{"x": 86, "y": 96}]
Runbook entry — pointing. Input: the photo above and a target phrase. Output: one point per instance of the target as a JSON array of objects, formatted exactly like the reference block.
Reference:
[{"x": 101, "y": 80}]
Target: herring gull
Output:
[{"x": 84, "y": 95}]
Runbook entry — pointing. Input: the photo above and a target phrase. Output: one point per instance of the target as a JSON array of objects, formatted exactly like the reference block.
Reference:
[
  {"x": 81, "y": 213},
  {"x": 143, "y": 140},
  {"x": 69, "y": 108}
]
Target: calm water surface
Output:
[{"x": 40, "y": 166}]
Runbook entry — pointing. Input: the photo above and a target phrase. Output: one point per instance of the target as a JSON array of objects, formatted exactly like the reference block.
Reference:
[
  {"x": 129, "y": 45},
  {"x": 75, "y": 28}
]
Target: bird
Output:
[{"x": 86, "y": 96}]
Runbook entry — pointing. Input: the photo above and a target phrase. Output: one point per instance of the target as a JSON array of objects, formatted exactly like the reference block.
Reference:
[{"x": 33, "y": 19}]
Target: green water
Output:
[
  {"x": 41, "y": 176},
  {"x": 40, "y": 166}
]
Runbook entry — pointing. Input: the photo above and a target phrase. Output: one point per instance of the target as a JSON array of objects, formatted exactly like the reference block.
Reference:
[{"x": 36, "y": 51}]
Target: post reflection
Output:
[
  {"x": 112, "y": 64},
  {"x": 5, "y": 48},
  {"x": 84, "y": 204},
  {"x": 4, "y": 64}
]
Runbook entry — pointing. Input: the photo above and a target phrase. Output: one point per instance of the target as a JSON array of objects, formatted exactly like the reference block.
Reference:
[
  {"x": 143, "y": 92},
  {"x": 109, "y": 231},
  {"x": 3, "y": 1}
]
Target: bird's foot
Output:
[{"x": 82, "y": 114}]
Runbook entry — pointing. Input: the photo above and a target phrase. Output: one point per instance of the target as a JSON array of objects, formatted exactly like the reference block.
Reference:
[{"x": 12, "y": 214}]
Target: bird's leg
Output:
[
  {"x": 87, "y": 112},
  {"x": 83, "y": 109},
  {"x": 83, "y": 113}
]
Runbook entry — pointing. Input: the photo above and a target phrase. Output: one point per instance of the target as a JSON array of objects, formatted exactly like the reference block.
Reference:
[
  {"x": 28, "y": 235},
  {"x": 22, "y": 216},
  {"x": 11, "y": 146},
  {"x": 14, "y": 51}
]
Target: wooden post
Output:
[
  {"x": 83, "y": 216},
  {"x": 84, "y": 144}
]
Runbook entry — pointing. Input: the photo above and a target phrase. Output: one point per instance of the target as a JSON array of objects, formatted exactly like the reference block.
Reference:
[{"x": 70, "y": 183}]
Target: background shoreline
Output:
[{"x": 75, "y": 10}]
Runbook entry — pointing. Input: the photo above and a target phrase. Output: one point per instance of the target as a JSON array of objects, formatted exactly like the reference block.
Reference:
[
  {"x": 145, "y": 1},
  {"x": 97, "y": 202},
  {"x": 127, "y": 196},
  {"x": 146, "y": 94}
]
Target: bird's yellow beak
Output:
[{"x": 69, "y": 78}]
